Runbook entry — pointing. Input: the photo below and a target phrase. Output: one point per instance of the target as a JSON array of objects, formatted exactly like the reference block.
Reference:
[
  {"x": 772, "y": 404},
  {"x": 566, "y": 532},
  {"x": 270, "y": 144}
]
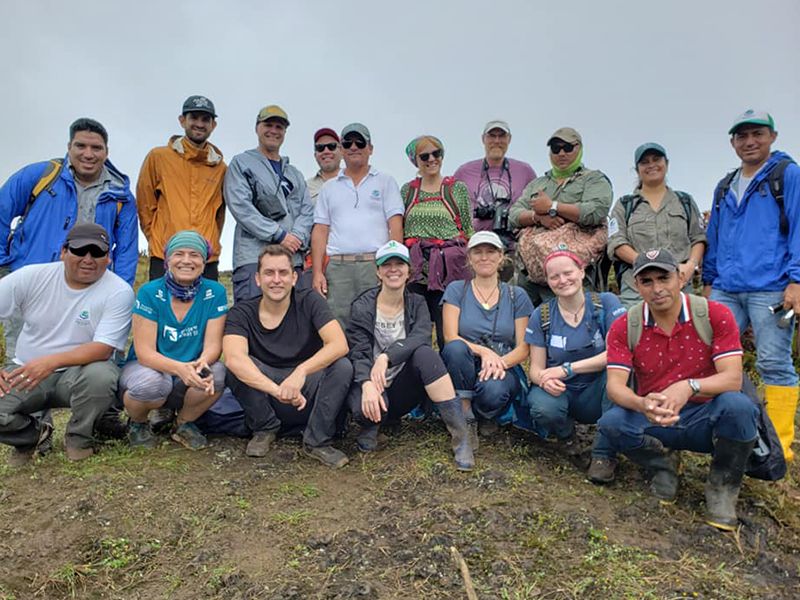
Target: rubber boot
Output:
[
  {"x": 659, "y": 462},
  {"x": 724, "y": 480},
  {"x": 781, "y": 404},
  {"x": 452, "y": 413}
]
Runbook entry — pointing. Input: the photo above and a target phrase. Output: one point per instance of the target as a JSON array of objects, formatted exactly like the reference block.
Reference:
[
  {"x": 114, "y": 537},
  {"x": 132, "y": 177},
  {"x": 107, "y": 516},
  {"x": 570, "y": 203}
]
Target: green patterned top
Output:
[{"x": 432, "y": 219}]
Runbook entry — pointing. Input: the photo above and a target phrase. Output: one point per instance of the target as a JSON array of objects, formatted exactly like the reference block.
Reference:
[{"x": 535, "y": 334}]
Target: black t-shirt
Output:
[{"x": 292, "y": 342}]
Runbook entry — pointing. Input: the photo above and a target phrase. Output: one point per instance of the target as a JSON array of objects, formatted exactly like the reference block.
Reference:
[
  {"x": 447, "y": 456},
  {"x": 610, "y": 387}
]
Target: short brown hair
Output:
[{"x": 275, "y": 250}]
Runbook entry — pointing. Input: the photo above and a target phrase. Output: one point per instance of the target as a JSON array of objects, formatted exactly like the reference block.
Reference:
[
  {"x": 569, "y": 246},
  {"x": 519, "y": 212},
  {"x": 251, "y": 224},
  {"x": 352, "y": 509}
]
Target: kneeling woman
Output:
[
  {"x": 178, "y": 321},
  {"x": 484, "y": 327},
  {"x": 567, "y": 338},
  {"x": 389, "y": 334}
]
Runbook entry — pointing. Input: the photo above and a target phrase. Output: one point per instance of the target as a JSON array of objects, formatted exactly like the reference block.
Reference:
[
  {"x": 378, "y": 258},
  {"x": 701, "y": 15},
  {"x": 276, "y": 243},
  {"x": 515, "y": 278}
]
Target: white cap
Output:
[
  {"x": 392, "y": 249},
  {"x": 496, "y": 125},
  {"x": 485, "y": 237}
]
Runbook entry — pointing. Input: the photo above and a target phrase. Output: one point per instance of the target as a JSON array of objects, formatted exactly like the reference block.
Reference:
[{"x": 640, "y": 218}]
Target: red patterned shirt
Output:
[{"x": 660, "y": 359}]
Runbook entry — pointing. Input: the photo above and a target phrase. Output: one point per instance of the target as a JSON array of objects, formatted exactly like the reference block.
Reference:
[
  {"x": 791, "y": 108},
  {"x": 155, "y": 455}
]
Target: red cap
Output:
[{"x": 326, "y": 131}]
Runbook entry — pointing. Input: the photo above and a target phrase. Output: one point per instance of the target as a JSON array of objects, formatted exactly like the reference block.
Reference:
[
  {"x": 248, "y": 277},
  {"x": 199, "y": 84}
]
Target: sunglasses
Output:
[
  {"x": 557, "y": 148},
  {"x": 426, "y": 155},
  {"x": 94, "y": 251},
  {"x": 332, "y": 146},
  {"x": 360, "y": 144}
]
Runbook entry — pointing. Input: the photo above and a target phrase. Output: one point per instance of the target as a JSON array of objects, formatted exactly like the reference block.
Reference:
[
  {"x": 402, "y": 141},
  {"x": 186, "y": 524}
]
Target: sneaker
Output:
[
  {"x": 75, "y": 454},
  {"x": 327, "y": 455},
  {"x": 189, "y": 436},
  {"x": 602, "y": 469},
  {"x": 140, "y": 435},
  {"x": 161, "y": 419},
  {"x": 259, "y": 444}
]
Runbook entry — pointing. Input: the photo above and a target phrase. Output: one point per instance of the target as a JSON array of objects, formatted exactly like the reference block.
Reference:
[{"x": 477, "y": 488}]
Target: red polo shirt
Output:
[{"x": 660, "y": 359}]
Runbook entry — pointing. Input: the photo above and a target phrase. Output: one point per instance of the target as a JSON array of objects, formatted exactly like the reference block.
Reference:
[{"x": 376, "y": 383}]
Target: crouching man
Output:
[
  {"x": 686, "y": 360},
  {"x": 75, "y": 313},
  {"x": 285, "y": 355}
]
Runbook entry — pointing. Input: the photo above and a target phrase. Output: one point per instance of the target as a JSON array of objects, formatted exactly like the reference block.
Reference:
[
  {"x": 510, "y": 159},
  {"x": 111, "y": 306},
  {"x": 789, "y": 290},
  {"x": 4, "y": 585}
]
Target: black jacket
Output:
[{"x": 361, "y": 332}]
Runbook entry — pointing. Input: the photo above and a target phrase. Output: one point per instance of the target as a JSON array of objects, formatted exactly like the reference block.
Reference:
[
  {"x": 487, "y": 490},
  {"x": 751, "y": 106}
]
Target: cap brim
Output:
[
  {"x": 655, "y": 265},
  {"x": 83, "y": 242},
  {"x": 200, "y": 110},
  {"x": 383, "y": 259},
  {"x": 760, "y": 122}
]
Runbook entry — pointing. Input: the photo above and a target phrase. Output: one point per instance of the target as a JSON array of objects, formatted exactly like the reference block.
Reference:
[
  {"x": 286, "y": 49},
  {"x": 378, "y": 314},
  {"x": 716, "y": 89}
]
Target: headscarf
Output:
[
  {"x": 411, "y": 149},
  {"x": 570, "y": 169},
  {"x": 193, "y": 241}
]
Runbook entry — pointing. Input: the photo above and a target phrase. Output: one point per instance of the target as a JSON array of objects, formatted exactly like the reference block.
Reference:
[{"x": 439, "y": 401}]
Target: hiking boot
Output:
[
  {"x": 161, "y": 419},
  {"x": 75, "y": 454},
  {"x": 661, "y": 464},
  {"x": 570, "y": 446},
  {"x": 602, "y": 469},
  {"x": 21, "y": 456},
  {"x": 367, "y": 438},
  {"x": 189, "y": 436},
  {"x": 724, "y": 480},
  {"x": 452, "y": 413},
  {"x": 140, "y": 435},
  {"x": 327, "y": 455},
  {"x": 259, "y": 444}
]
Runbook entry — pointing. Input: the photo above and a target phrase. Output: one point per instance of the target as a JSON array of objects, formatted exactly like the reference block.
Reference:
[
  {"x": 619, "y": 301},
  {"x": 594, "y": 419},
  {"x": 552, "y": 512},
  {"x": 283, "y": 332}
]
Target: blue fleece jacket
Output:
[
  {"x": 41, "y": 235},
  {"x": 746, "y": 250}
]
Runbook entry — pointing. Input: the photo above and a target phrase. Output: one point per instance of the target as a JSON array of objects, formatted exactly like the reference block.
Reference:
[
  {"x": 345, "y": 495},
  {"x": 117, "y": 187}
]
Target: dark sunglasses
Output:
[
  {"x": 320, "y": 147},
  {"x": 426, "y": 155},
  {"x": 94, "y": 251},
  {"x": 557, "y": 148},
  {"x": 360, "y": 144}
]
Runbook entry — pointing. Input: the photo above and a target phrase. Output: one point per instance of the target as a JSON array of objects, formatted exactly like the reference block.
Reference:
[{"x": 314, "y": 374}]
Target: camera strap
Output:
[{"x": 504, "y": 169}]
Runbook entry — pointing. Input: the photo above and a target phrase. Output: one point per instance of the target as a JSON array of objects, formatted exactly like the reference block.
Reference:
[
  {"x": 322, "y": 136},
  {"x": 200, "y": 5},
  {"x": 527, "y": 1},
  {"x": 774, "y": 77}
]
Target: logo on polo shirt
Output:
[
  {"x": 375, "y": 195},
  {"x": 170, "y": 333},
  {"x": 83, "y": 318}
]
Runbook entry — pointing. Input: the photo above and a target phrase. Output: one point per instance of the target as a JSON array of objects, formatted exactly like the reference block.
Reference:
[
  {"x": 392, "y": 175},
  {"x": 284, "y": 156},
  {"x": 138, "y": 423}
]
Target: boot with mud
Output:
[
  {"x": 724, "y": 481},
  {"x": 661, "y": 464},
  {"x": 452, "y": 413}
]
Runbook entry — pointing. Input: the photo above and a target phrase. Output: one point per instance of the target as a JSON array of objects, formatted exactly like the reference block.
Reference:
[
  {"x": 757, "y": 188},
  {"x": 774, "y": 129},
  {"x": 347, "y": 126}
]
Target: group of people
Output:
[{"x": 341, "y": 281}]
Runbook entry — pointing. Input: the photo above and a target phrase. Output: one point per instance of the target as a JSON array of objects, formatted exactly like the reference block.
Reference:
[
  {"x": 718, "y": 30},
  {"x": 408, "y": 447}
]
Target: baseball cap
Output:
[
  {"x": 326, "y": 131},
  {"x": 392, "y": 249},
  {"x": 657, "y": 258},
  {"x": 272, "y": 111},
  {"x": 358, "y": 128},
  {"x": 648, "y": 147},
  {"x": 496, "y": 125},
  {"x": 566, "y": 134},
  {"x": 485, "y": 237},
  {"x": 199, "y": 104},
  {"x": 87, "y": 234},
  {"x": 753, "y": 117}
]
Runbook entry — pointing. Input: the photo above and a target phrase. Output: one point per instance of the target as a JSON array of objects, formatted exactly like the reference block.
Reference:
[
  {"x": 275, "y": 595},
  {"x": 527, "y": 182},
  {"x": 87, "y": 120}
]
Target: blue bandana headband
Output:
[{"x": 192, "y": 241}]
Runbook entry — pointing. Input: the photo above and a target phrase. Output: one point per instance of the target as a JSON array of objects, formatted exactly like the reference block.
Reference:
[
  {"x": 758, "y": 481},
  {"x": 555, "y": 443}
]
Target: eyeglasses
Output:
[
  {"x": 332, "y": 146},
  {"x": 94, "y": 251},
  {"x": 426, "y": 155},
  {"x": 360, "y": 144},
  {"x": 557, "y": 148}
]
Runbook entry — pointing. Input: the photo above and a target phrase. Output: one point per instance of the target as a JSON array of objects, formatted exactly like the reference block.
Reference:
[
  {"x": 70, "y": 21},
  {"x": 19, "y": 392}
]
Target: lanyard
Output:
[{"x": 503, "y": 169}]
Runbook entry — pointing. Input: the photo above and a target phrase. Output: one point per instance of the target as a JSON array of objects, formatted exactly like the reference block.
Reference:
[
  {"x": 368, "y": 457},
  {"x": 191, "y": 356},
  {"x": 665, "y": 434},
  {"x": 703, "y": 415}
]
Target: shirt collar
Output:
[
  {"x": 683, "y": 317},
  {"x": 371, "y": 173}
]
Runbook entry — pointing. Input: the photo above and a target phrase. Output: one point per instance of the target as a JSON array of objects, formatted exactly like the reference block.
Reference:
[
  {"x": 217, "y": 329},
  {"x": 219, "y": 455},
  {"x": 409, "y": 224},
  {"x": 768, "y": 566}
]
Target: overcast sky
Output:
[{"x": 621, "y": 72}]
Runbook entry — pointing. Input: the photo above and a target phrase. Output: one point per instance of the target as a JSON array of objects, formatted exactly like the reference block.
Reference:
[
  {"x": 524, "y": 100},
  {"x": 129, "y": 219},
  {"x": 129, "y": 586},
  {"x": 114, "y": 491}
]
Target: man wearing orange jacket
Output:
[{"x": 180, "y": 187}]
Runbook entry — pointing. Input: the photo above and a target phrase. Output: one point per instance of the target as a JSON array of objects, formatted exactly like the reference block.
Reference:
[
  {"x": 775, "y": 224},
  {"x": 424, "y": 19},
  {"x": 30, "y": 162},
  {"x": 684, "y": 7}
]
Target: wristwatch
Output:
[
  {"x": 567, "y": 367},
  {"x": 553, "y": 212},
  {"x": 695, "y": 385}
]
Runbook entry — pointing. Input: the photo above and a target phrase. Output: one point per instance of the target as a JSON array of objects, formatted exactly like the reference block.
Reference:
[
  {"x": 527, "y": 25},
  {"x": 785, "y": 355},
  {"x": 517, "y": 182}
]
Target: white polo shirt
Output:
[{"x": 358, "y": 215}]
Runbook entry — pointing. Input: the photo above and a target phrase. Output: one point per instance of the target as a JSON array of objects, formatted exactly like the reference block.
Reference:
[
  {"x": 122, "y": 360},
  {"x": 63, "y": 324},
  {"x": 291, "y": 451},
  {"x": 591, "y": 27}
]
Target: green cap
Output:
[
  {"x": 648, "y": 147},
  {"x": 753, "y": 117}
]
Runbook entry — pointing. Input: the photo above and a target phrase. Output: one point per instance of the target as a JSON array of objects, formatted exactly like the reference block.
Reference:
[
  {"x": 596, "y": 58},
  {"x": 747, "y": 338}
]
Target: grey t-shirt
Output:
[
  {"x": 87, "y": 196},
  {"x": 389, "y": 329}
]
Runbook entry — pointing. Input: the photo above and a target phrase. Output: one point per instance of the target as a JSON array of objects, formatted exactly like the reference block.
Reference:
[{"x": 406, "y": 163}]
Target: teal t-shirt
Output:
[{"x": 180, "y": 340}]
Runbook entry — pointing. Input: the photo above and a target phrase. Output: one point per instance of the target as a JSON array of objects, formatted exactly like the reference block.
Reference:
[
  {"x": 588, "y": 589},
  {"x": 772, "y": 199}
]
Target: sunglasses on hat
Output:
[
  {"x": 426, "y": 155},
  {"x": 331, "y": 146},
  {"x": 557, "y": 147},
  {"x": 360, "y": 144},
  {"x": 94, "y": 251}
]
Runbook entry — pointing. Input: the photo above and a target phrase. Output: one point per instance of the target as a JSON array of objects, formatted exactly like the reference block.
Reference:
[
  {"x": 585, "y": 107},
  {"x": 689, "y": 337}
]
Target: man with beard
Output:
[{"x": 328, "y": 154}]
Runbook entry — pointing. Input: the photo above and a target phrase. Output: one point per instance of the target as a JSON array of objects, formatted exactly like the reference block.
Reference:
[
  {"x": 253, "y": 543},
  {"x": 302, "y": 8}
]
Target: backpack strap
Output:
[
  {"x": 635, "y": 316},
  {"x": 412, "y": 196},
  {"x": 545, "y": 316},
  {"x": 45, "y": 184},
  {"x": 450, "y": 203},
  {"x": 775, "y": 180},
  {"x": 722, "y": 188},
  {"x": 629, "y": 204},
  {"x": 686, "y": 203},
  {"x": 698, "y": 307},
  {"x": 598, "y": 312}
]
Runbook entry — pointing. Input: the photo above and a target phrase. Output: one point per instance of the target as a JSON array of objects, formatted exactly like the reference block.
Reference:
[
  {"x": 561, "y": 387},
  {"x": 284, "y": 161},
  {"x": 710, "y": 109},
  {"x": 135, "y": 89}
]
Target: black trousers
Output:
[
  {"x": 157, "y": 269},
  {"x": 433, "y": 300},
  {"x": 325, "y": 392},
  {"x": 408, "y": 388}
]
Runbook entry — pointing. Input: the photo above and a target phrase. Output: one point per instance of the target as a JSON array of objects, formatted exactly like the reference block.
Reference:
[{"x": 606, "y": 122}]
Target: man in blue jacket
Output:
[
  {"x": 86, "y": 189},
  {"x": 753, "y": 258}
]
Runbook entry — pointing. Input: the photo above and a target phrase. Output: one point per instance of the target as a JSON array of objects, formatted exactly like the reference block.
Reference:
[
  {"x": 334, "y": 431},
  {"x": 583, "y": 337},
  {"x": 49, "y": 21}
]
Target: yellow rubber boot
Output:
[{"x": 781, "y": 407}]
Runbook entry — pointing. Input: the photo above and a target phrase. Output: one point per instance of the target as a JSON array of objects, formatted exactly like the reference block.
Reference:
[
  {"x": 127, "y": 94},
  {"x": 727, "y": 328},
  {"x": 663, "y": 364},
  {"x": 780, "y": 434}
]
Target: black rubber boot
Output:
[
  {"x": 452, "y": 413},
  {"x": 661, "y": 464},
  {"x": 724, "y": 480}
]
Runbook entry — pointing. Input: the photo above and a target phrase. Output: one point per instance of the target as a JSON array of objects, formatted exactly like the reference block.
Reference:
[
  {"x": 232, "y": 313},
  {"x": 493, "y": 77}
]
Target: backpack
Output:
[
  {"x": 775, "y": 182},
  {"x": 766, "y": 461},
  {"x": 629, "y": 204},
  {"x": 45, "y": 184},
  {"x": 412, "y": 199},
  {"x": 598, "y": 314}
]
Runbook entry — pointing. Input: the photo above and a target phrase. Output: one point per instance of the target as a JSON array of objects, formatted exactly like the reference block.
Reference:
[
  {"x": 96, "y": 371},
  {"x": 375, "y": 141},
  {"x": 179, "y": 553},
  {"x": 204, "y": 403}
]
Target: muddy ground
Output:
[{"x": 214, "y": 524}]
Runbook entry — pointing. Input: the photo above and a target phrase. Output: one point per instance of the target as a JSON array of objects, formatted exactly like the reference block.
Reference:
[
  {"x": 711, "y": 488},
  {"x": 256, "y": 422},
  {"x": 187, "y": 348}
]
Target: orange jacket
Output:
[{"x": 180, "y": 187}]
